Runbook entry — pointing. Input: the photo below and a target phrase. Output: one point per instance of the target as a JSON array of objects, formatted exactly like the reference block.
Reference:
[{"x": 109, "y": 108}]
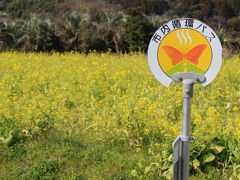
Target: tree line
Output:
[{"x": 119, "y": 25}]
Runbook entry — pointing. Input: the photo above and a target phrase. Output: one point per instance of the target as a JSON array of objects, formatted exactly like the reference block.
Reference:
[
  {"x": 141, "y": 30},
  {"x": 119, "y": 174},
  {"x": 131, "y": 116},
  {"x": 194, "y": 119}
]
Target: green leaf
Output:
[
  {"x": 9, "y": 139},
  {"x": 154, "y": 164},
  {"x": 147, "y": 169},
  {"x": 218, "y": 149},
  {"x": 233, "y": 178},
  {"x": 196, "y": 163},
  {"x": 209, "y": 158},
  {"x": 134, "y": 173}
]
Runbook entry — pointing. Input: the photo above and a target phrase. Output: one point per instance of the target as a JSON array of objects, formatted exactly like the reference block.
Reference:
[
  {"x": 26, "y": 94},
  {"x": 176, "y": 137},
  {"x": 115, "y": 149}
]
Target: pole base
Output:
[{"x": 180, "y": 145}]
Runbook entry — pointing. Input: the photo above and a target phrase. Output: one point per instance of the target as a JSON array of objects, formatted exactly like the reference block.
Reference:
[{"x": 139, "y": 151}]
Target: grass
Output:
[
  {"x": 62, "y": 156},
  {"x": 58, "y": 156}
]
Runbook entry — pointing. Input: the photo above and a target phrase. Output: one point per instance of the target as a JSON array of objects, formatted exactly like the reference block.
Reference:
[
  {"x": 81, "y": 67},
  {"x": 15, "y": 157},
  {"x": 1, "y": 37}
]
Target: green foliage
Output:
[
  {"x": 232, "y": 41},
  {"x": 43, "y": 122},
  {"x": 12, "y": 153},
  {"x": 36, "y": 34},
  {"x": 6, "y": 125},
  {"x": 7, "y": 36},
  {"x": 138, "y": 30},
  {"x": 147, "y": 6},
  {"x": 203, "y": 9},
  {"x": 23, "y": 8},
  {"x": 112, "y": 1},
  {"x": 236, "y": 172},
  {"x": 224, "y": 8},
  {"x": 43, "y": 170},
  {"x": 234, "y": 23},
  {"x": 76, "y": 32},
  {"x": 96, "y": 25},
  {"x": 111, "y": 27}
]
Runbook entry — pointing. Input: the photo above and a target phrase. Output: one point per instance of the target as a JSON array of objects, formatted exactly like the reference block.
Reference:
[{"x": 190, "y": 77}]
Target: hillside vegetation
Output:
[{"x": 119, "y": 25}]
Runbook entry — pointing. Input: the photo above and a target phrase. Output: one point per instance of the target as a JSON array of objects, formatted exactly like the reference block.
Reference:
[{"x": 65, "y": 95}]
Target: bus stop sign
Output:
[{"x": 184, "y": 45}]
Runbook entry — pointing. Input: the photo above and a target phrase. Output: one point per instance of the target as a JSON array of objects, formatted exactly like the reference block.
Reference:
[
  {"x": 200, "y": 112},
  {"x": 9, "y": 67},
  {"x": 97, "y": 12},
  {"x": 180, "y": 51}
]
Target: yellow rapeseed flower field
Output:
[{"x": 111, "y": 95}]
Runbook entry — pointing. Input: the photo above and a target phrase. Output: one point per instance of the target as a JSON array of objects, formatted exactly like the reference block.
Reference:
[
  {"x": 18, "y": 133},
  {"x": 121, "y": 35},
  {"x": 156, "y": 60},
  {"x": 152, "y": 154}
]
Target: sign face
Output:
[{"x": 184, "y": 45}]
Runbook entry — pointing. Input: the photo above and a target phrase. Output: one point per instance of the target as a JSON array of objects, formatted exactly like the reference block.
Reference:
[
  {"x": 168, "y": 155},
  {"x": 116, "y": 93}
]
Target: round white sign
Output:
[{"x": 184, "y": 45}]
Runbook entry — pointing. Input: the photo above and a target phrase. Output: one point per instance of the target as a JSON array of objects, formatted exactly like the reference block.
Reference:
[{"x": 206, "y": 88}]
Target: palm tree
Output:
[
  {"x": 7, "y": 37},
  {"x": 36, "y": 34},
  {"x": 111, "y": 28},
  {"x": 76, "y": 32}
]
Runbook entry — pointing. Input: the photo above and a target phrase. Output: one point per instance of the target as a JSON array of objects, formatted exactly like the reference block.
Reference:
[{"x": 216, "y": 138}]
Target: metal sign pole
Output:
[
  {"x": 181, "y": 144},
  {"x": 187, "y": 95}
]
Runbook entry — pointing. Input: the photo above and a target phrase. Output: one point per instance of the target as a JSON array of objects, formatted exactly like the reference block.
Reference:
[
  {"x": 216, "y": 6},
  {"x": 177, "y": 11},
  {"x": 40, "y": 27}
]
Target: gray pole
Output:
[
  {"x": 187, "y": 95},
  {"x": 181, "y": 144}
]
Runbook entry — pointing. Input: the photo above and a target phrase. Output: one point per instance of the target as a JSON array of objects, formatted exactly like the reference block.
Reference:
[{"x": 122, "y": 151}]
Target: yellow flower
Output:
[
  {"x": 146, "y": 131},
  {"x": 235, "y": 108},
  {"x": 26, "y": 132},
  {"x": 110, "y": 93},
  {"x": 138, "y": 149}
]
